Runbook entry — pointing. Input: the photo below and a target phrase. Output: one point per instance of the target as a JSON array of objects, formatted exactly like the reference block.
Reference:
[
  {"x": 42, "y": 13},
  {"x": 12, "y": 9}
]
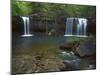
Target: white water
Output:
[
  {"x": 26, "y": 27},
  {"x": 81, "y": 27},
  {"x": 69, "y": 26},
  {"x": 71, "y": 59}
]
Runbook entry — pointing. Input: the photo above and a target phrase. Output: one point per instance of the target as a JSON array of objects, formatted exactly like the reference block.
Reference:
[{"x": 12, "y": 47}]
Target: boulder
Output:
[
  {"x": 67, "y": 47},
  {"x": 86, "y": 48}
]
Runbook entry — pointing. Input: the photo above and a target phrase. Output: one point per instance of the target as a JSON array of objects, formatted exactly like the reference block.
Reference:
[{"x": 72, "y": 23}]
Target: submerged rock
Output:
[
  {"x": 32, "y": 64},
  {"x": 71, "y": 61}
]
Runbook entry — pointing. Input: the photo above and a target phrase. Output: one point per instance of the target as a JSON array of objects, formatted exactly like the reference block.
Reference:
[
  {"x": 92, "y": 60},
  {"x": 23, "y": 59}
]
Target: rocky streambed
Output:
[
  {"x": 79, "y": 56},
  {"x": 39, "y": 56}
]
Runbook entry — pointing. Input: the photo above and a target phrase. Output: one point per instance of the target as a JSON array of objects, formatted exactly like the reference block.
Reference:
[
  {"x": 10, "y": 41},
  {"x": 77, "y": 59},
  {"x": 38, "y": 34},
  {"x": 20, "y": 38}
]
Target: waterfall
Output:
[
  {"x": 76, "y": 27},
  {"x": 81, "y": 26},
  {"x": 69, "y": 26},
  {"x": 26, "y": 26}
]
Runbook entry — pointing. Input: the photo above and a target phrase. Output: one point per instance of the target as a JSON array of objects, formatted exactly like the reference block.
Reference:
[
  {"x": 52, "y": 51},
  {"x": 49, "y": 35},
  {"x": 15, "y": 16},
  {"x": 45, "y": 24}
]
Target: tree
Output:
[
  {"x": 21, "y": 8},
  {"x": 52, "y": 9}
]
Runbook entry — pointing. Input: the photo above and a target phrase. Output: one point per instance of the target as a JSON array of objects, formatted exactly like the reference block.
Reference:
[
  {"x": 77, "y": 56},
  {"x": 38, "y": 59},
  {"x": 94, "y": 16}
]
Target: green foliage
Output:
[
  {"x": 52, "y": 10},
  {"x": 80, "y": 11},
  {"x": 21, "y": 8},
  {"x": 75, "y": 40}
]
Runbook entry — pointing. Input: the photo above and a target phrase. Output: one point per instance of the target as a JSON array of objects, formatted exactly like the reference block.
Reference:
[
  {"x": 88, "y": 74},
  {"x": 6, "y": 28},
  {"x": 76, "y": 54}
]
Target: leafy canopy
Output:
[{"x": 50, "y": 9}]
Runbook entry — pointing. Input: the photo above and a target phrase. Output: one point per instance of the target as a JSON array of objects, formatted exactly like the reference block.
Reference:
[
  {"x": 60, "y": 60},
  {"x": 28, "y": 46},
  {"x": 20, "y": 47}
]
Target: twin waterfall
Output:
[
  {"x": 76, "y": 27},
  {"x": 26, "y": 22}
]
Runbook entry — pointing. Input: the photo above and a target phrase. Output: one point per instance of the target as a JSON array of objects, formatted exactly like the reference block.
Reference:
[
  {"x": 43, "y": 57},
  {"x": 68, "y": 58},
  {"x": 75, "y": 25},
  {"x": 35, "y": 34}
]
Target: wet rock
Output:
[
  {"x": 23, "y": 65},
  {"x": 71, "y": 61},
  {"x": 67, "y": 47},
  {"x": 52, "y": 65},
  {"x": 86, "y": 48},
  {"x": 36, "y": 64},
  {"x": 68, "y": 67}
]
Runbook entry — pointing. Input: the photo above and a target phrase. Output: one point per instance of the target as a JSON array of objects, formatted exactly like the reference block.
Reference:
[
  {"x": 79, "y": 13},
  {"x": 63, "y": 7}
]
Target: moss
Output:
[{"x": 74, "y": 40}]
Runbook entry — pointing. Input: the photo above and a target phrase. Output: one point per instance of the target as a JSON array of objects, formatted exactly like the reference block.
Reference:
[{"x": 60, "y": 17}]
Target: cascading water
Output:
[
  {"x": 81, "y": 26},
  {"x": 26, "y": 27},
  {"x": 76, "y": 27},
  {"x": 69, "y": 26}
]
